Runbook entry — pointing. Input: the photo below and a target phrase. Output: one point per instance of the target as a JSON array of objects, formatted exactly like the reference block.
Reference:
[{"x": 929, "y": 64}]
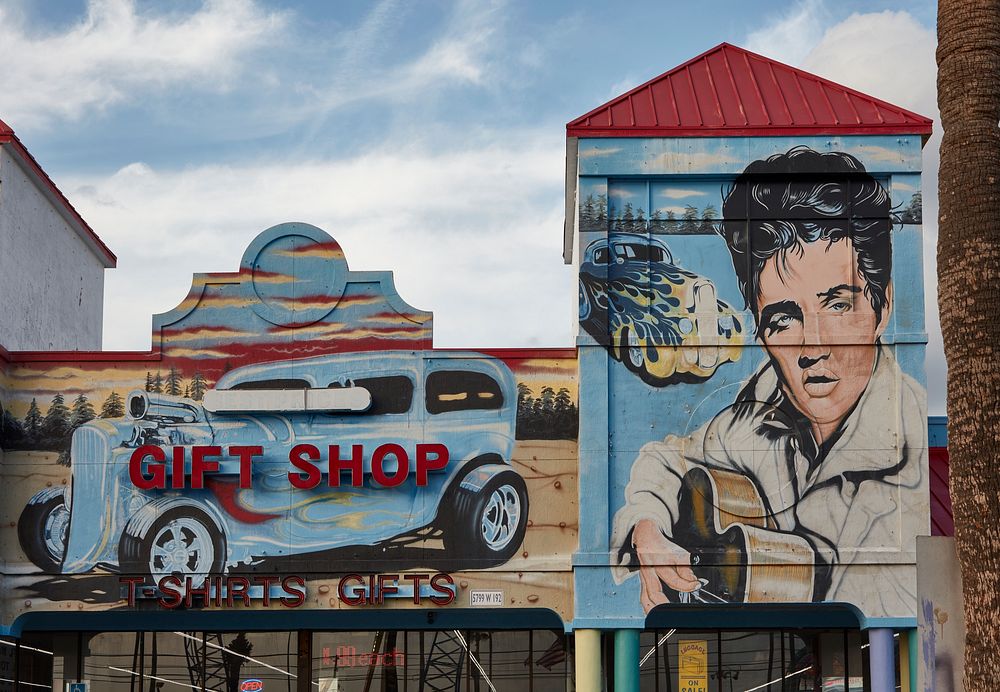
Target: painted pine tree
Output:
[
  {"x": 172, "y": 385},
  {"x": 33, "y": 422},
  {"x": 83, "y": 411},
  {"x": 113, "y": 406},
  {"x": 198, "y": 386}
]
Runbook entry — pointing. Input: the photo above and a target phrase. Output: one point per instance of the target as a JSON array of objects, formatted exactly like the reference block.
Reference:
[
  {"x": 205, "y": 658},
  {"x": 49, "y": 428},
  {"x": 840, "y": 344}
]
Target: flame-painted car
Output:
[
  {"x": 664, "y": 323},
  {"x": 477, "y": 503}
]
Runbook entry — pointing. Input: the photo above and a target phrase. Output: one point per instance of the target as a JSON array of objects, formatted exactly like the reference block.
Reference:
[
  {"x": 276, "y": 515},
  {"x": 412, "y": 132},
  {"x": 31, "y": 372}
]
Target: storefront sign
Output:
[
  {"x": 218, "y": 591},
  {"x": 348, "y": 657},
  {"x": 390, "y": 465},
  {"x": 692, "y": 668},
  {"x": 252, "y": 685}
]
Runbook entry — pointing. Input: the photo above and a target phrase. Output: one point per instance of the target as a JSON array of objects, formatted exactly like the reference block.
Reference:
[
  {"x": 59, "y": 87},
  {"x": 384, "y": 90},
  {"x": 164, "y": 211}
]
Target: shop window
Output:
[
  {"x": 505, "y": 661},
  {"x": 461, "y": 390},
  {"x": 772, "y": 661}
]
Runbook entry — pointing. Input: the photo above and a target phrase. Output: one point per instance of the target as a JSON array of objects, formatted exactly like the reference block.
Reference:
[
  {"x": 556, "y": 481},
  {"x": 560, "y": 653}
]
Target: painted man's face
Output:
[{"x": 820, "y": 329}]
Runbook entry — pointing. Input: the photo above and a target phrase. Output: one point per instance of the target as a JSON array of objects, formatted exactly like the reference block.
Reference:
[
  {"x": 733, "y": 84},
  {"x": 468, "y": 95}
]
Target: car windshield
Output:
[
  {"x": 272, "y": 384},
  {"x": 601, "y": 255}
]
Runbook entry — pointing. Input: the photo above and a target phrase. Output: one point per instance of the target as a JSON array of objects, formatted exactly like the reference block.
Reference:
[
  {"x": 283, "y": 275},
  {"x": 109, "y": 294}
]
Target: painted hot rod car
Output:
[
  {"x": 465, "y": 402},
  {"x": 664, "y": 323}
]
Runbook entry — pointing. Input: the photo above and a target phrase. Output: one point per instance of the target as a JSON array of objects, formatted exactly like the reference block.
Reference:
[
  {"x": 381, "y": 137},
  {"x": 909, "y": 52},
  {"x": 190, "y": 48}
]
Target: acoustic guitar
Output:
[{"x": 737, "y": 552}]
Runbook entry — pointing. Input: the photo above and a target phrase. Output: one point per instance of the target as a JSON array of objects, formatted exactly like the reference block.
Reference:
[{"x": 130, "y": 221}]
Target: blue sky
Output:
[{"x": 427, "y": 137}]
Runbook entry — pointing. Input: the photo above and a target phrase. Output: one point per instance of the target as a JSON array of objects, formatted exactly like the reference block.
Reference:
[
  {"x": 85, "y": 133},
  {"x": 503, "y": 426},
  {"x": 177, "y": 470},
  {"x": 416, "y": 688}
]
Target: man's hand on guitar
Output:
[{"x": 661, "y": 561}]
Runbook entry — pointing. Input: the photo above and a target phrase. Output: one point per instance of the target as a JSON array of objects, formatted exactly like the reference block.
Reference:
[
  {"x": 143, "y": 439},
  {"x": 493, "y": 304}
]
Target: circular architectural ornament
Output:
[{"x": 293, "y": 274}]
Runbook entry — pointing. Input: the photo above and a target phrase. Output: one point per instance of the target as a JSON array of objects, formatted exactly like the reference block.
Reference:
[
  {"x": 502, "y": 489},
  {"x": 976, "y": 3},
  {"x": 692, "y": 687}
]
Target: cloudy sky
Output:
[{"x": 427, "y": 137}]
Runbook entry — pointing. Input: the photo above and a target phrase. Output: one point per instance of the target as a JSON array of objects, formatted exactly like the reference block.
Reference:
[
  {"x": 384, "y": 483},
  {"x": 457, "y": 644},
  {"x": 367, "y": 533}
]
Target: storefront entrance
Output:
[
  {"x": 539, "y": 660},
  {"x": 471, "y": 660}
]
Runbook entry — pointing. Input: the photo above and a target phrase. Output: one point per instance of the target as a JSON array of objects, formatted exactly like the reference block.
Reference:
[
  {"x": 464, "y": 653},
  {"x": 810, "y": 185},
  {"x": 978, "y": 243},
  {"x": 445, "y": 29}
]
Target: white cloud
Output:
[
  {"x": 116, "y": 53},
  {"x": 595, "y": 151},
  {"x": 679, "y": 193},
  {"x": 485, "y": 255},
  {"x": 889, "y": 55},
  {"x": 791, "y": 36},
  {"x": 622, "y": 193},
  {"x": 461, "y": 55}
]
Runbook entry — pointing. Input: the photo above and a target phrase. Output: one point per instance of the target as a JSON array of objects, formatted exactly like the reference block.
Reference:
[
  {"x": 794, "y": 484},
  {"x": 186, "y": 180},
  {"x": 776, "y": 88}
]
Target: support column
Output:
[
  {"x": 627, "y": 661},
  {"x": 913, "y": 646},
  {"x": 881, "y": 662},
  {"x": 588, "y": 660},
  {"x": 905, "y": 684}
]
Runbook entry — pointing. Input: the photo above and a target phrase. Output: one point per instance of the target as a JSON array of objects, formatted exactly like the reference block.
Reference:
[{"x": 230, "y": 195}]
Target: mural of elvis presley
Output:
[{"x": 829, "y": 430}]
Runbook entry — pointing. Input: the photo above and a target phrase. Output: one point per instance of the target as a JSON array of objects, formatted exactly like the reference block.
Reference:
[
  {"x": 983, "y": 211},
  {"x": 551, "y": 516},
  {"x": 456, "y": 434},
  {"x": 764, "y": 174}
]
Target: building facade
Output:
[
  {"x": 51, "y": 262},
  {"x": 719, "y": 488}
]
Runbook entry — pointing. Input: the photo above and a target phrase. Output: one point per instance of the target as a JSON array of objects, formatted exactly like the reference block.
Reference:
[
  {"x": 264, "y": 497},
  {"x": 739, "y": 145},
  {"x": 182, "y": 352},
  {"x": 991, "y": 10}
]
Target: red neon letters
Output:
[{"x": 187, "y": 466}]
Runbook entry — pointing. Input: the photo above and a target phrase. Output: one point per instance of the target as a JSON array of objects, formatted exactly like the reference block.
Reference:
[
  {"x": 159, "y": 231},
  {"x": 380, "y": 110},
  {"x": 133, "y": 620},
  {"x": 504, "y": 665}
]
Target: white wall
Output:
[{"x": 51, "y": 283}]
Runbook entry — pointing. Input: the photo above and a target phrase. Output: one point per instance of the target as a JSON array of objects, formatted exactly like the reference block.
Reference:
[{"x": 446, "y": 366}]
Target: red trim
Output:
[
  {"x": 154, "y": 356},
  {"x": 7, "y": 136},
  {"x": 942, "y": 516},
  {"x": 225, "y": 492},
  {"x": 515, "y": 353},
  {"x": 905, "y": 129},
  {"x": 82, "y": 356}
]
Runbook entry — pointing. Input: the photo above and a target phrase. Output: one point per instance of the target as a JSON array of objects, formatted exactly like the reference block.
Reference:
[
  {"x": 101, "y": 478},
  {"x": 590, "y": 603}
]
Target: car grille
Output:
[{"x": 90, "y": 446}]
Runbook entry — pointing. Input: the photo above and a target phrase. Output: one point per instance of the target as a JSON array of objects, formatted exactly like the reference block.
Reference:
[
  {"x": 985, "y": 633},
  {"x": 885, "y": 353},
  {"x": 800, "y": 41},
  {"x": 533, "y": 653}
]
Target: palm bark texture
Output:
[{"x": 968, "y": 56}]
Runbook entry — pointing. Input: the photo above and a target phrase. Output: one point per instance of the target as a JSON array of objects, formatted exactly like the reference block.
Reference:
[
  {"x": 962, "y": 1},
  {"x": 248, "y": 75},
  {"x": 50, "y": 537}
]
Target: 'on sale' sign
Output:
[{"x": 692, "y": 668}]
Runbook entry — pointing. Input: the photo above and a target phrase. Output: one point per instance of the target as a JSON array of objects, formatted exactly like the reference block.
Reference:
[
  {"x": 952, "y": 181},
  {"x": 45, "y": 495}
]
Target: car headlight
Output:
[
  {"x": 135, "y": 503},
  {"x": 726, "y": 322},
  {"x": 685, "y": 325}
]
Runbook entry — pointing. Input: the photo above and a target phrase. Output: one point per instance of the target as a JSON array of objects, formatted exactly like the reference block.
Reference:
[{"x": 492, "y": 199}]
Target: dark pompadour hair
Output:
[{"x": 803, "y": 196}]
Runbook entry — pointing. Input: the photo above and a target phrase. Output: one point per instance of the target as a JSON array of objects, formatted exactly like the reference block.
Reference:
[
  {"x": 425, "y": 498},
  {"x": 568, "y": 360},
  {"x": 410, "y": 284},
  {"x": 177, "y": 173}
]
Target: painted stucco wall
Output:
[{"x": 51, "y": 283}]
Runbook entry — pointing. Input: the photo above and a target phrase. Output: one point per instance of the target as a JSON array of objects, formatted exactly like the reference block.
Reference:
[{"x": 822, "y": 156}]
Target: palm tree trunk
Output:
[{"x": 968, "y": 56}]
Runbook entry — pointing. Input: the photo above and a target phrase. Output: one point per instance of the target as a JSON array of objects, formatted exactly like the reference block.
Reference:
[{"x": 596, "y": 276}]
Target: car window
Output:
[
  {"x": 272, "y": 384},
  {"x": 390, "y": 393},
  {"x": 656, "y": 254},
  {"x": 601, "y": 255},
  {"x": 461, "y": 390},
  {"x": 643, "y": 253}
]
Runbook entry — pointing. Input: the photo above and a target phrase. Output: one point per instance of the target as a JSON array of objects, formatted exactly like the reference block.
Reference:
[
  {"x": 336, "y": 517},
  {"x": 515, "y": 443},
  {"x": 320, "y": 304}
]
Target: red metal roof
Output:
[
  {"x": 729, "y": 91},
  {"x": 7, "y": 136}
]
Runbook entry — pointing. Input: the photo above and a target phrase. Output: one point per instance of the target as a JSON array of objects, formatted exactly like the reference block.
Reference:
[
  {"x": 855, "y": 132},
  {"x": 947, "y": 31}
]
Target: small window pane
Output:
[{"x": 460, "y": 390}]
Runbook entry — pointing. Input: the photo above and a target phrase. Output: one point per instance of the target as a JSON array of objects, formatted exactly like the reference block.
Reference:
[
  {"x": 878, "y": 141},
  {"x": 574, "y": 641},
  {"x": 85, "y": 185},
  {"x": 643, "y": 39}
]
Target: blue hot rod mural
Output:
[{"x": 461, "y": 402}]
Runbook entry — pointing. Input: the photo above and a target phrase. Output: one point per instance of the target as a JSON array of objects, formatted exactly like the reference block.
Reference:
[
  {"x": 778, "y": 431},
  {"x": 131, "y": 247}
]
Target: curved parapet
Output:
[{"x": 293, "y": 296}]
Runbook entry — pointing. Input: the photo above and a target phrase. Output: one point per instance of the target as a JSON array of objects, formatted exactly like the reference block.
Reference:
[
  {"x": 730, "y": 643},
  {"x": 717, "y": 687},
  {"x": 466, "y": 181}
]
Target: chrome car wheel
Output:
[
  {"x": 181, "y": 546},
  {"x": 501, "y": 517},
  {"x": 55, "y": 530},
  {"x": 485, "y": 525}
]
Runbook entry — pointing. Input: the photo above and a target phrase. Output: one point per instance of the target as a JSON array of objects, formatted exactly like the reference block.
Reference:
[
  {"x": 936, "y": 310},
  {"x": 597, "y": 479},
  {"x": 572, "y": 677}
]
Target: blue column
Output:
[
  {"x": 627, "y": 661},
  {"x": 881, "y": 660}
]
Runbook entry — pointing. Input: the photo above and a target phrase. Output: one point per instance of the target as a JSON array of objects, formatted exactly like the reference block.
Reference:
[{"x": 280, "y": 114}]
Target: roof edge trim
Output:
[{"x": 55, "y": 197}]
